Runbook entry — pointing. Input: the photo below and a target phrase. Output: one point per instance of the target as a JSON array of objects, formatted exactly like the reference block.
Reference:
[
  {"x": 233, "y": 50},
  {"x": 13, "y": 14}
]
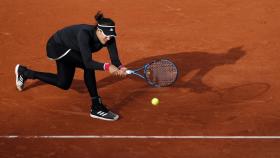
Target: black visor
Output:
[{"x": 107, "y": 30}]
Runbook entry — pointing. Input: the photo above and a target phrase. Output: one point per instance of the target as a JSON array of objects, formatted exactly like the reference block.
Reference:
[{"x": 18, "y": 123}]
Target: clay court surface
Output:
[{"x": 227, "y": 52}]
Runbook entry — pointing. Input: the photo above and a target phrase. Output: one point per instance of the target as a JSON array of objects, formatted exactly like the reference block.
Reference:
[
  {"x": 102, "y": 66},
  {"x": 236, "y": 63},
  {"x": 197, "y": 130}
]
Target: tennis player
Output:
[{"x": 71, "y": 48}]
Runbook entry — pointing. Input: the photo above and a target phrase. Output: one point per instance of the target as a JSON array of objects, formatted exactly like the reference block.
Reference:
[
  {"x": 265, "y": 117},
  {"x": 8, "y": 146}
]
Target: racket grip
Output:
[{"x": 129, "y": 72}]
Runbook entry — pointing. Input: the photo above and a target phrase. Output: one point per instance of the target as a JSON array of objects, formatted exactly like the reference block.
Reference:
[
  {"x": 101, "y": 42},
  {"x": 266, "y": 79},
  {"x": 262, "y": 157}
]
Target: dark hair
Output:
[{"x": 100, "y": 19}]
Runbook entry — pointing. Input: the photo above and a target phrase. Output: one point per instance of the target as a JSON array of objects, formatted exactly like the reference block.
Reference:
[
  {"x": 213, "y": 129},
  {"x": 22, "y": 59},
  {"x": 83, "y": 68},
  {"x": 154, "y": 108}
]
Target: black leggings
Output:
[{"x": 65, "y": 73}]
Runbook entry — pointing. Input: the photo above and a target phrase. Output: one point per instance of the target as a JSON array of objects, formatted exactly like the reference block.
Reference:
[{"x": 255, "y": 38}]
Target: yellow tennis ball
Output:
[{"x": 155, "y": 101}]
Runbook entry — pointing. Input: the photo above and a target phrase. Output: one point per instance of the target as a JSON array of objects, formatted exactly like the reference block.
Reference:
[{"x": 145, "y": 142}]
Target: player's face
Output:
[{"x": 102, "y": 37}]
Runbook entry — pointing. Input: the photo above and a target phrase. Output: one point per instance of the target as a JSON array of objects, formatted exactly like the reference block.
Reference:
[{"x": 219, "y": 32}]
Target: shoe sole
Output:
[
  {"x": 16, "y": 72},
  {"x": 101, "y": 118}
]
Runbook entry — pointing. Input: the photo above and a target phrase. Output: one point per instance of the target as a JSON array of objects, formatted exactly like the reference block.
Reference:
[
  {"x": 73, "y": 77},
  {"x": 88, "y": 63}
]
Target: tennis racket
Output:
[{"x": 158, "y": 73}]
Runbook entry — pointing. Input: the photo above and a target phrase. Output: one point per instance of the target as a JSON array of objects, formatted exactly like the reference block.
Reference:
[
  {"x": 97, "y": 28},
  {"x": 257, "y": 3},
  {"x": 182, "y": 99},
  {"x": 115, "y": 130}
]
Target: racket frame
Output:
[{"x": 134, "y": 72}]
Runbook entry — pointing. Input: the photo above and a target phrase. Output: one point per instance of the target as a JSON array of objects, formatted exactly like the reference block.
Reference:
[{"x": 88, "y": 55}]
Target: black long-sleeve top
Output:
[{"x": 82, "y": 38}]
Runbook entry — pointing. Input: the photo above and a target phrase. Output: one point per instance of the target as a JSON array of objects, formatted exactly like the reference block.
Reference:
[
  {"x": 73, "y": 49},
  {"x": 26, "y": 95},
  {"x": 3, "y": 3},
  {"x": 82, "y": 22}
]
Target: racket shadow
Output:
[{"x": 243, "y": 93}]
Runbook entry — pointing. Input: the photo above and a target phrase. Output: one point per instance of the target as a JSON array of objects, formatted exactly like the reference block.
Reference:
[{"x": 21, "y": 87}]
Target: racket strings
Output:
[{"x": 162, "y": 73}]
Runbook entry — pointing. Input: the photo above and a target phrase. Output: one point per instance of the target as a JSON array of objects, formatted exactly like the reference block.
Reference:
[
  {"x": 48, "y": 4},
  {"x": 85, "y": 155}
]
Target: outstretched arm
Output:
[{"x": 113, "y": 51}]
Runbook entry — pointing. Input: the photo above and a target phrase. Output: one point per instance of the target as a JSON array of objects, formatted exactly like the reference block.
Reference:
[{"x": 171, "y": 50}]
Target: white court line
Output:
[{"x": 133, "y": 137}]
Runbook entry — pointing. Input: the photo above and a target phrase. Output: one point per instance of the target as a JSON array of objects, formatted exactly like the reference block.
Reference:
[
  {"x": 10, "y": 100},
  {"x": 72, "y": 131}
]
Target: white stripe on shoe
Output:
[
  {"x": 102, "y": 113},
  {"x": 19, "y": 83}
]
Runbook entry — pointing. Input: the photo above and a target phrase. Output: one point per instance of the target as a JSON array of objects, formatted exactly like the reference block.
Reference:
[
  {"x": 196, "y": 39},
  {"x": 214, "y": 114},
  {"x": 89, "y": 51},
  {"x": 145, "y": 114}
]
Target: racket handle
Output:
[{"x": 129, "y": 72}]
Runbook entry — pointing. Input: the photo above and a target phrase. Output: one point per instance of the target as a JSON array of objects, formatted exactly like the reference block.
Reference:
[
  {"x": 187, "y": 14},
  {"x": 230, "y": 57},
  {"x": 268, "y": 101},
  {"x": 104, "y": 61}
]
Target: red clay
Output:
[{"x": 226, "y": 52}]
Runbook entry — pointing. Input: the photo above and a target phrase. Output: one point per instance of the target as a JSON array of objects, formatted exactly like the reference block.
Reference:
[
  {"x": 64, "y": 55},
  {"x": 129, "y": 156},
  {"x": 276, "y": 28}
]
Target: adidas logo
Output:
[{"x": 102, "y": 113}]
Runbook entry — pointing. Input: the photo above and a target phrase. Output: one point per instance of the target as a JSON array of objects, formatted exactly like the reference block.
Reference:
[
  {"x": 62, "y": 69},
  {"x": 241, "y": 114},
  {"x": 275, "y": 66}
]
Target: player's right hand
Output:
[{"x": 115, "y": 71}]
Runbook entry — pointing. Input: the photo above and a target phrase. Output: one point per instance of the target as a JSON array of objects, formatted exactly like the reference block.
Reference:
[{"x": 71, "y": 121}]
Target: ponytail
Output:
[
  {"x": 99, "y": 16},
  {"x": 100, "y": 19}
]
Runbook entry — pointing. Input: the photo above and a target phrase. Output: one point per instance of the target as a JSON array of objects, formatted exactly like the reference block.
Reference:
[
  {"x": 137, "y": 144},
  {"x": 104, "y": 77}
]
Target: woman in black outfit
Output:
[{"x": 72, "y": 47}]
